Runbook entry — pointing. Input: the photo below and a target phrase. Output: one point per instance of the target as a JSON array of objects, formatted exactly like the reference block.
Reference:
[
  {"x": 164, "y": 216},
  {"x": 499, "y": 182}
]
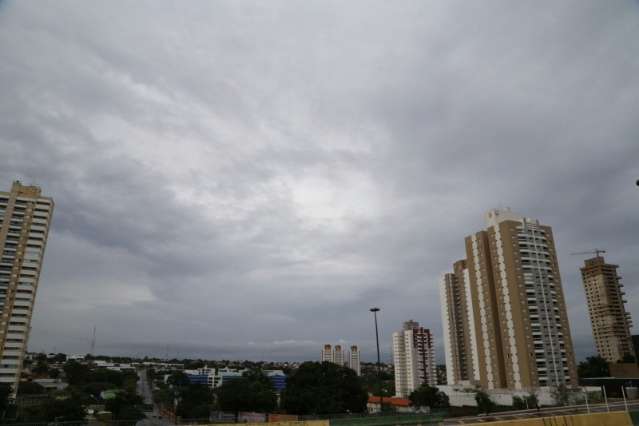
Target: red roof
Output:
[{"x": 394, "y": 401}]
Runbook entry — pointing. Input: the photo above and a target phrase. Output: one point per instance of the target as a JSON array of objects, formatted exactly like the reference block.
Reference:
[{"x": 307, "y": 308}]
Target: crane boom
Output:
[{"x": 596, "y": 252}]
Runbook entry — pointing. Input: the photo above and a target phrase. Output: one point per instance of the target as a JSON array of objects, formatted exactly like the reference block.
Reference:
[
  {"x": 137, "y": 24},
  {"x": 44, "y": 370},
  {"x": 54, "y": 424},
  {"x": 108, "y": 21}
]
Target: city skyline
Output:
[{"x": 225, "y": 190}]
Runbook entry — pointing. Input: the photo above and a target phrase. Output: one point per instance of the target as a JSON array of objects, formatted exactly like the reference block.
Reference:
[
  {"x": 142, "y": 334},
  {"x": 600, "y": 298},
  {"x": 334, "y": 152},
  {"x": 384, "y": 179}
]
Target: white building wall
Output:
[{"x": 399, "y": 360}]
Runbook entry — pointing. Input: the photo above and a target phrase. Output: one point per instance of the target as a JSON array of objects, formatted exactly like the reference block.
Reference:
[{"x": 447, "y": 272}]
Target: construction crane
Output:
[{"x": 594, "y": 251}]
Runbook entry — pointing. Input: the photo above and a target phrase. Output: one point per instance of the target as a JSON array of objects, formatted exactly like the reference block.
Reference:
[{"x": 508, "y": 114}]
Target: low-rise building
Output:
[
  {"x": 215, "y": 378},
  {"x": 400, "y": 405}
]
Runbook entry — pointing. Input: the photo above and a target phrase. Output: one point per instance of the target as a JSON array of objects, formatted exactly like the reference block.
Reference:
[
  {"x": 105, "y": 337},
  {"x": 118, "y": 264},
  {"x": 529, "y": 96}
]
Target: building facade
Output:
[
  {"x": 327, "y": 354},
  {"x": 515, "y": 307},
  {"x": 610, "y": 321},
  {"x": 354, "y": 360},
  {"x": 338, "y": 355},
  {"x": 414, "y": 358},
  {"x": 460, "y": 343},
  {"x": 25, "y": 216}
]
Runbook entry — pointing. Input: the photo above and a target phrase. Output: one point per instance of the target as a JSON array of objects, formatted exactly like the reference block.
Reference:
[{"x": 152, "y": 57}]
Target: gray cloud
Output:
[{"x": 243, "y": 180}]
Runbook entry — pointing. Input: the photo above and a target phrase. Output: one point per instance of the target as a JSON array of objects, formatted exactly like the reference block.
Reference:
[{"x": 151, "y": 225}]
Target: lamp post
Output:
[{"x": 375, "y": 310}]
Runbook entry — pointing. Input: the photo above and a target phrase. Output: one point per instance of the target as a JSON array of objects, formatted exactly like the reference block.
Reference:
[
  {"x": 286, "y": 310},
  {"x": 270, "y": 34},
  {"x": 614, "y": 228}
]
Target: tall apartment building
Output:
[
  {"x": 327, "y": 354},
  {"x": 338, "y": 355},
  {"x": 354, "y": 360},
  {"x": 610, "y": 321},
  {"x": 460, "y": 343},
  {"x": 25, "y": 216},
  {"x": 515, "y": 308},
  {"x": 414, "y": 358}
]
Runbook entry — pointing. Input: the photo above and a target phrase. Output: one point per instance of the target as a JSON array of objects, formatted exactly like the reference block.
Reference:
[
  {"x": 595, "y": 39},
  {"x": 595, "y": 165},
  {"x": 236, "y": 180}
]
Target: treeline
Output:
[
  {"x": 313, "y": 388},
  {"x": 85, "y": 386}
]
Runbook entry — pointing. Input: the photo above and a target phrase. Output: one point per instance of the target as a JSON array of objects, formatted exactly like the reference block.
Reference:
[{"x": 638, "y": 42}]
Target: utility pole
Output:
[
  {"x": 93, "y": 343},
  {"x": 375, "y": 310}
]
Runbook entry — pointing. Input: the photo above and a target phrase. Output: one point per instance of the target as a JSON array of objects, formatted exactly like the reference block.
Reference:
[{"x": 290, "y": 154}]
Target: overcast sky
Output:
[{"x": 245, "y": 179}]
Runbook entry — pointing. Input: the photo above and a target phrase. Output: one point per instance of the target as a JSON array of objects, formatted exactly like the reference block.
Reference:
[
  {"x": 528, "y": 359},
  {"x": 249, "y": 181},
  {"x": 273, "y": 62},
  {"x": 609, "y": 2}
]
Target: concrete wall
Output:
[{"x": 460, "y": 396}]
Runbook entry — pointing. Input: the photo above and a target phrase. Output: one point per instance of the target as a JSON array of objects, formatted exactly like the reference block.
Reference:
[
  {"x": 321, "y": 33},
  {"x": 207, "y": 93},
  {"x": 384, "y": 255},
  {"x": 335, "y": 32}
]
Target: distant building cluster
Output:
[{"x": 336, "y": 356}]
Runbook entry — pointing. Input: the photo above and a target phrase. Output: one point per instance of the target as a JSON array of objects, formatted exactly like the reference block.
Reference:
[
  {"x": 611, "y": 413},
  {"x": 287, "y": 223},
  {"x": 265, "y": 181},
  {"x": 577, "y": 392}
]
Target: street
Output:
[{"x": 144, "y": 389}]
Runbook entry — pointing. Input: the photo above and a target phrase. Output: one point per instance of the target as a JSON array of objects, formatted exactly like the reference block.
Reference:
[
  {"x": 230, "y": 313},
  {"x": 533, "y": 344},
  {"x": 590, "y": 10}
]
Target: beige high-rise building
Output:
[
  {"x": 518, "y": 320},
  {"x": 610, "y": 321},
  {"x": 460, "y": 343},
  {"x": 414, "y": 358},
  {"x": 25, "y": 216}
]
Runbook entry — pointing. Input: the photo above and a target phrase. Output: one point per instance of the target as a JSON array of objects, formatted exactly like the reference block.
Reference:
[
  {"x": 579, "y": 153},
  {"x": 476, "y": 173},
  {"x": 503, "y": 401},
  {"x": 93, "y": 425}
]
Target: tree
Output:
[
  {"x": 5, "y": 392},
  {"x": 525, "y": 402},
  {"x": 428, "y": 396},
  {"x": 561, "y": 394},
  {"x": 251, "y": 392},
  {"x": 60, "y": 357},
  {"x": 194, "y": 402},
  {"x": 178, "y": 379},
  {"x": 41, "y": 368},
  {"x": 75, "y": 372},
  {"x": 124, "y": 406},
  {"x": 30, "y": 388},
  {"x": 593, "y": 366},
  {"x": 519, "y": 403},
  {"x": 324, "y": 388},
  {"x": 68, "y": 409},
  {"x": 532, "y": 400},
  {"x": 484, "y": 403},
  {"x": 377, "y": 384}
]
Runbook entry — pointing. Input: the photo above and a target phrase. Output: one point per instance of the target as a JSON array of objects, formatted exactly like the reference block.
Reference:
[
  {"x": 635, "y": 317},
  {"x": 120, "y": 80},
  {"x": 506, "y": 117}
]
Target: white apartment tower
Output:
[
  {"x": 338, "y": 355},
  {"x": 354, "y": 361},
  {"x": 25, "y": 216},
  {"x": 414, "y": 358},
  {"x": 327, "y": 354}
]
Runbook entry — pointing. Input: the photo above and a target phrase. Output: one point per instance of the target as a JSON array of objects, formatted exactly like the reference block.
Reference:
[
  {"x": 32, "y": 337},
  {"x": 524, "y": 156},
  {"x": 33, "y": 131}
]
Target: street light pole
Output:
[{"x": 375, "y": 310}]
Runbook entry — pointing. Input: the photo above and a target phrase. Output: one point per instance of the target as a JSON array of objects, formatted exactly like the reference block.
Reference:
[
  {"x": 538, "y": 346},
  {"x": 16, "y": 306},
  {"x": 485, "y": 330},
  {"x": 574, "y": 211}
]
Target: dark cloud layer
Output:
[{"x": 243, "y": 180}]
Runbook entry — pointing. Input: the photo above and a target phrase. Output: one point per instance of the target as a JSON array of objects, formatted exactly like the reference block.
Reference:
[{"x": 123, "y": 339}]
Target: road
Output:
[
  {"x": 145, "y": 391},
  {"x": 544, "y": 412},
  {"x": 144, "y": 387}
]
